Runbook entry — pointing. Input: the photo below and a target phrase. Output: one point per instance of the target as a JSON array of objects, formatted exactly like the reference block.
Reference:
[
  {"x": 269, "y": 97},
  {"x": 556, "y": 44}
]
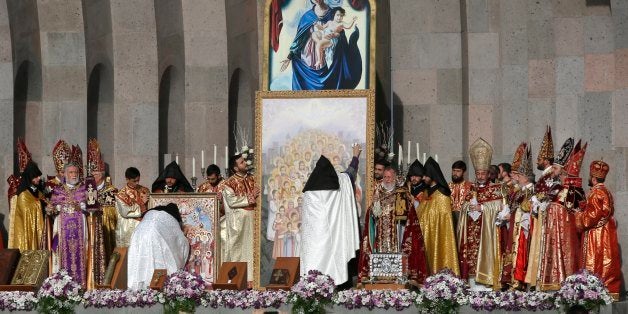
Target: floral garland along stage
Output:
[{"x": 582, "y": 288}]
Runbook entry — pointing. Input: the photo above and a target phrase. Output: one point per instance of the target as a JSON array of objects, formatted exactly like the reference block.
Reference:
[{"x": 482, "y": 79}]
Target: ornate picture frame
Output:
[
  {"x": 292, "y": 130},
  {"x": 201, "y": 226},
  {"x": 286, "y": 25}
]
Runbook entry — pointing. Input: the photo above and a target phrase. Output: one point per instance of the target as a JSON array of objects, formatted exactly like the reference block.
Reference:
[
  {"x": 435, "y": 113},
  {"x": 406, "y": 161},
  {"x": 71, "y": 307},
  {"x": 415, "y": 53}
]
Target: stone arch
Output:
[
  {"x": 170, "y": 59},
  {"x": 243, "y": 44},
  {"x": 27, "y": 79},
  {"x": 234, "y": 92},
  {"x": 100, "y": 107},
  {"x": 99, "y": 71},
  {"x": 26, "y": 107},
  {"x": 171, "y": 115}
]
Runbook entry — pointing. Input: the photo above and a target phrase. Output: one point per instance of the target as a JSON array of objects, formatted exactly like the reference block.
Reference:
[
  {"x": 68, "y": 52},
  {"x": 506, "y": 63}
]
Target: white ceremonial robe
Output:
[
  {"x": 330, "y": 230},
  {"x": 157, "y": 243}
]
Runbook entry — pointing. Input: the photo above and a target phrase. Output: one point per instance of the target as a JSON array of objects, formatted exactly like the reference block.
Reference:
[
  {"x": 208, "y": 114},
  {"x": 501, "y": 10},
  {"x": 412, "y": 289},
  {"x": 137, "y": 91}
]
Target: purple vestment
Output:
[{"x": 71, "y": 240}]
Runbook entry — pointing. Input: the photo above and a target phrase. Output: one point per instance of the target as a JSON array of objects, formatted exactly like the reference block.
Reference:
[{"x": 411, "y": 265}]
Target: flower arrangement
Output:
[
  {"x": 312, "y": 293},
  {"x": 583, "y": 289},
  {"x": 248, "y": 155},
  {"x": 443, "y": 293},
  {"x": 183, "y": 292},
  {"x": 122, "y": 298},
  {"x": 245, "y": 299},
  {"x": 371, "y": 299},
  {"x": 59, "y": 293},
  {"x": 242, "y": 141},
  {"x": 17, "y": 301}
]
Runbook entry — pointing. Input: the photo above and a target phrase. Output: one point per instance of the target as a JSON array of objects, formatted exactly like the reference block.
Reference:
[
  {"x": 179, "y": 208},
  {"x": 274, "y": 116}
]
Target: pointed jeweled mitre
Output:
[
  {"x": 574, "y": 164},
  {"x": 94, "y": 158},
  {"x": 526, "y": 164},
  {"x": 23, "y": 155},
  {"x": 547, "y": 146},
  {"x": 517, "y": 158},
  {"x": 481, "y": 153},
  {"x": 76, "y": 157},
  {"x": 61, "y": 155},
  {"x": 564, "y": 153}
]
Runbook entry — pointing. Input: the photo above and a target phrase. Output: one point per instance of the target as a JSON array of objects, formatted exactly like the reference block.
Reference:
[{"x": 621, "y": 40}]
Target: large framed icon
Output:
[
  {"x": 318, "y": 45},
  {"x": 293, "y": 129},
  {"x": 200, "y": 215}
]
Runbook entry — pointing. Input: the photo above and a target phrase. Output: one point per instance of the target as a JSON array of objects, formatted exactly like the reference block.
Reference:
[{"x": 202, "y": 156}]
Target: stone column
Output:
[
  {"x": 206, "y": 78},
  {"x": 6, "y": 113},
  {"x": 135, "y": 89},
  {"x": 64, "y": 92}
]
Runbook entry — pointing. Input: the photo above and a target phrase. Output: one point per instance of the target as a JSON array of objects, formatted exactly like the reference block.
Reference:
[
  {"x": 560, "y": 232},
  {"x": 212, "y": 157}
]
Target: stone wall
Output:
[
  {"x": 517, "y": 66},
  {"x": 458, "y": 70}
]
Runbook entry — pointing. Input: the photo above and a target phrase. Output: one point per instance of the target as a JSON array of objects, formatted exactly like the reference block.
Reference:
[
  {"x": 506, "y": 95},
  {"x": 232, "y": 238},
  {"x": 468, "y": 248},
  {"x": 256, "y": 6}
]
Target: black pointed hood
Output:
[
  {"x": 31, "y": 171},
  {"x": 323, "y": 177},
  {"x": 416, "y": 169},
  {"x": 432, "y": 170},
  {"x": 172, "y": 170}
]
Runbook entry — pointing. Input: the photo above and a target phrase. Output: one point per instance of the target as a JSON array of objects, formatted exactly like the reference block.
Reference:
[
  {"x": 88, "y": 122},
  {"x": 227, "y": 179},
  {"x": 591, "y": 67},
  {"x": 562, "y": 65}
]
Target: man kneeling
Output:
[{"x": 157, "y": 243}]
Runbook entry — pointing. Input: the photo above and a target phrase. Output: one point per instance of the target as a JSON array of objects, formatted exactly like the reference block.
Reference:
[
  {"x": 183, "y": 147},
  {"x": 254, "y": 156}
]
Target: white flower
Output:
[
  {"x": 251, "y": 151},
  {"x": 249, "y": 162},
  {"x": 245, "y": 148},
  {"x": 245, "y": 155}
]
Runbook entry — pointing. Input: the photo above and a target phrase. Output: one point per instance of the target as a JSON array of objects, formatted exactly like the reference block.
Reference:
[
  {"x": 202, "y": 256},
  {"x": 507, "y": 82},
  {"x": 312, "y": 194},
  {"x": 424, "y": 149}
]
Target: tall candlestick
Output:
[
  {"x": 193, "y": 167},
  {"x": 424, "y": 157},
  {"x": 176, "y": 158},
  {"x": 215, "y": 151},
  {"x": 417, "y": 151},
  {"x": 399, "y": 156},
  {"x": 409, "y": 149},
  {"x": 202, "y": 159}
]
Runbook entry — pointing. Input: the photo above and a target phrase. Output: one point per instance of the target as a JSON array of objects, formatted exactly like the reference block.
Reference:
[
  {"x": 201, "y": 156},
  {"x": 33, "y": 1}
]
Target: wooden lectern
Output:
[
  {"x": 232, "y": 276},
  {"x": 285, "y": 273},
  {"x": 116, "y": 275}
]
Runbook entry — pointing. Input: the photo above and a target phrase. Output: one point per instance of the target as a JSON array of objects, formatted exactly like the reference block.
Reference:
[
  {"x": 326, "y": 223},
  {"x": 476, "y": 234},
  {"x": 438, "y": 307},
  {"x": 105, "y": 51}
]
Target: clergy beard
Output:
[
  {"x": 72, "y": 181},
  {"x": 456, "y": 179},
  {"x": 388, "y": 186}
]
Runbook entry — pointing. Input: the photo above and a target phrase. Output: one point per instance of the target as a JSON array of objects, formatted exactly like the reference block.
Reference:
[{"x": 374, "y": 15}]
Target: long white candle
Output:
[
  {"x": 409, "y": 149},
  {"x": 399, "y": 156},
  {"x": 424, "y": 157},
  {"x": 176, "y": 158},
  {"x": 193, "y": 167},
  {"x": 417, "y": 151},
  {"x": 226, "y": 157},
  {"x": 202, "y": 159},
  {"x": 436, "y": 157},
  {"x": 215, "y": 151}
]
